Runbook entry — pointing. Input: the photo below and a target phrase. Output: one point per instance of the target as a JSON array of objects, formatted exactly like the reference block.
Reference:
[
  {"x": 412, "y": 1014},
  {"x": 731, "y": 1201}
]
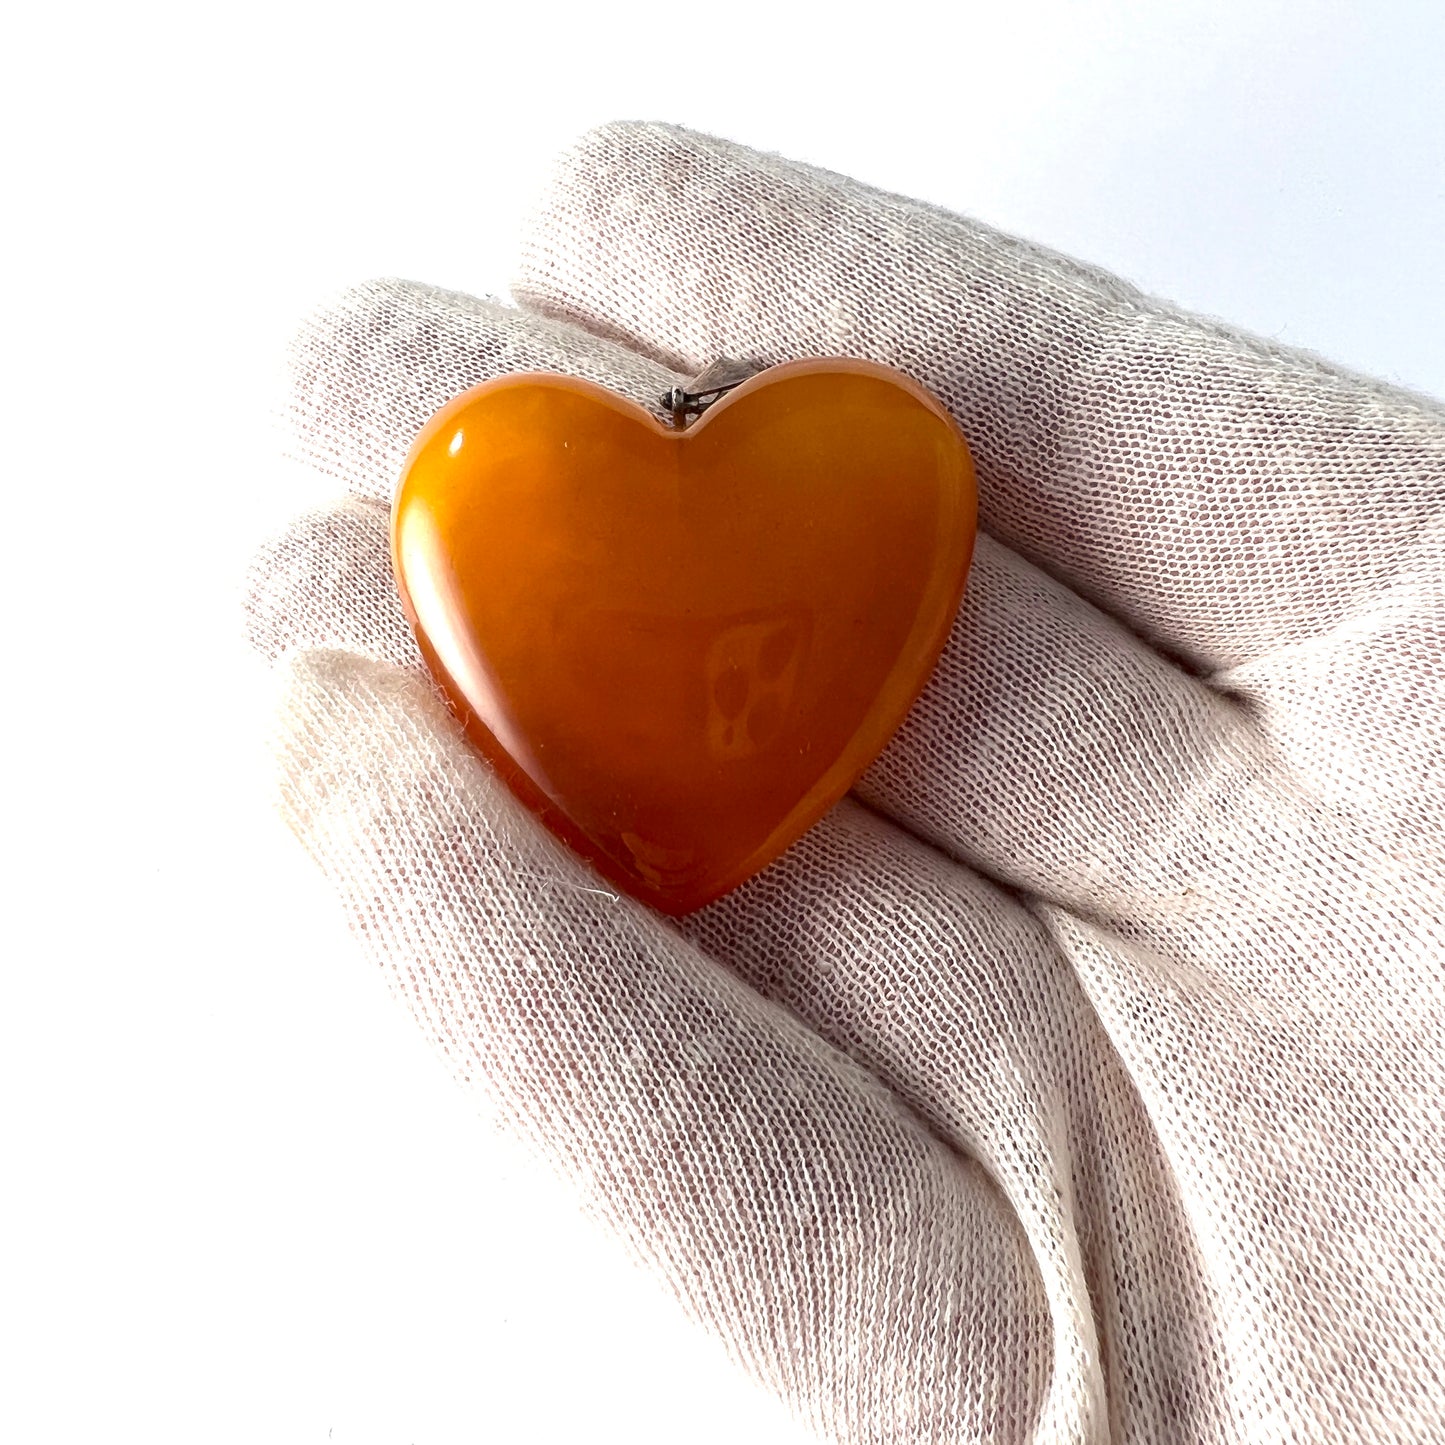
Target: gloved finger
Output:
[
  {"x": 326, "y": 582},
  {"x": 1051, "y": 750},
  {"x": 954, "y": 994},
  {"x": 1176, "y": 1119},
  {"x": 871, "y": 1275},
  {"x": 367, "y": 371},
  {"x": 1223, "y": 496}
]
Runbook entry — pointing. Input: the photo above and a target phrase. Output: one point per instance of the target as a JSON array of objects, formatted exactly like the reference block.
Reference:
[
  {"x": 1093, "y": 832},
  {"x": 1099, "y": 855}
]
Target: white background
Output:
[{"x": 242, "y": 1201}]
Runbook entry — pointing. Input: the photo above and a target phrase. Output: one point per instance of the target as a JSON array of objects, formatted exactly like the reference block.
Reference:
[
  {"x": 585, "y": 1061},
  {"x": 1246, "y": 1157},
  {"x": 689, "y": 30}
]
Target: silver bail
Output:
[{"x": 714, "y": 381}]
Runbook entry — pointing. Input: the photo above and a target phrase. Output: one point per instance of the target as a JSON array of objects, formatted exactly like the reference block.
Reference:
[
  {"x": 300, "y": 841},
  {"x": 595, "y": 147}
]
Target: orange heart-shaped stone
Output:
[{"x": 680, "y": 647}]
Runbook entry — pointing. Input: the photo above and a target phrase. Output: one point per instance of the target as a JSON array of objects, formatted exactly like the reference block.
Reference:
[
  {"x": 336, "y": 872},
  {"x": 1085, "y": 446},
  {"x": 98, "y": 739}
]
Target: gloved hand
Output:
[{"x": 1082, "y": 1076}]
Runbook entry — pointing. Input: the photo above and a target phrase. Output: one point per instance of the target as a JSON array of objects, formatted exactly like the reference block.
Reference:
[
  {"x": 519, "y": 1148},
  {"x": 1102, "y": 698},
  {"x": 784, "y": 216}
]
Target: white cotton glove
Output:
[{"x": 1082, "y": 1079}]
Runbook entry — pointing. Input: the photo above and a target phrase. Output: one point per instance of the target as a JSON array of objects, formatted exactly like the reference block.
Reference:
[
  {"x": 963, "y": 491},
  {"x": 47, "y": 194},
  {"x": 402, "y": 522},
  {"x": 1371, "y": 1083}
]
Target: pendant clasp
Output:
[{"x": 713, "y": 382}]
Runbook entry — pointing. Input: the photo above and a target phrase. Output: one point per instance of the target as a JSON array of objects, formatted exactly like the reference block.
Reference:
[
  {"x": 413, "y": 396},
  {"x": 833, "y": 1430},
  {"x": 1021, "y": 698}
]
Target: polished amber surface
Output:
[{"x": 681, "y": 647}]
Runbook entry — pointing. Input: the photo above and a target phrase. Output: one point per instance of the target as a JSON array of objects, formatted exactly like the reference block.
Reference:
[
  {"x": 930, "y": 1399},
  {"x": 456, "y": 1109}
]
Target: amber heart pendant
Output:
[{"x": 680, "y": 645}]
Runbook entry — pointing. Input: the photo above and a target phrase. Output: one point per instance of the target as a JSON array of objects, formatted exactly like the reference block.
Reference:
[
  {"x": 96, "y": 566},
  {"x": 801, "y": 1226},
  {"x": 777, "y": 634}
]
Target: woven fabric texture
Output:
[{"x": 1081, "y": 1078}]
